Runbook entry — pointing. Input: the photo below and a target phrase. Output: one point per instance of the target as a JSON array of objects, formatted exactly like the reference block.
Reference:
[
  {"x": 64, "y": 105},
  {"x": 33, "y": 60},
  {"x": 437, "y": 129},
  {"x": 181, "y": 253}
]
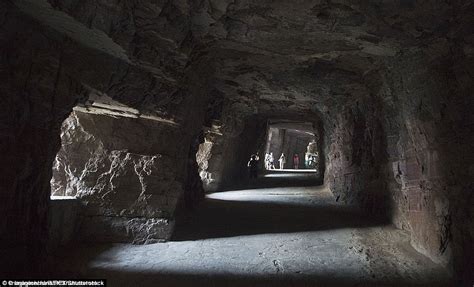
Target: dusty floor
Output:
[{"x": 265, "y": 237}]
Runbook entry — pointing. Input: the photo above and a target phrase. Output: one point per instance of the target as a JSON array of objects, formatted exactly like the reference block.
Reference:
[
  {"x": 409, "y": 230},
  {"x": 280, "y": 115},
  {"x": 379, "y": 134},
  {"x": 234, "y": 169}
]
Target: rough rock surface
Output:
[
  {"x": 390, "y": 82},
  {"x": 63, "y": 220},
  {"x": 128, "y": 194},
  {"x": 354, "y": 157},
  {"x": 429, "y": 134}
]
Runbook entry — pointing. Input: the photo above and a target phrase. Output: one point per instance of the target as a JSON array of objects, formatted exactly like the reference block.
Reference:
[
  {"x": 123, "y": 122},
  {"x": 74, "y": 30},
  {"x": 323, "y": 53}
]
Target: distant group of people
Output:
[
  {"x": 270, "y": 161},
  {"x": 310, "y": 160},
  {"x": 253, "y": 163}
]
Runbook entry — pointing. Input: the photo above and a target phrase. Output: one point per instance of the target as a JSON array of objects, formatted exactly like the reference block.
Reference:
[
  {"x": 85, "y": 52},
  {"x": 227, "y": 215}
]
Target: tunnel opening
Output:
[
  {"x": 224, "y": 155},
  {"x": 292, "y": 147}
]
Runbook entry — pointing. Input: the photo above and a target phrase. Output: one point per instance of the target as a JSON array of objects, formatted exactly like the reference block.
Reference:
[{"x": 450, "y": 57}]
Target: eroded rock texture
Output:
[
  {"x": 355, "y": 155},
  {"x": 129, "y": 188},
  {"x": 429, "y": 139},
  {"x": 389, "y": 83}
]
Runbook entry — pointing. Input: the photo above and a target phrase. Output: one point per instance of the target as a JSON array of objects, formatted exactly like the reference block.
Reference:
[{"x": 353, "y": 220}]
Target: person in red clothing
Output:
[{"x": 296, "y": 161}]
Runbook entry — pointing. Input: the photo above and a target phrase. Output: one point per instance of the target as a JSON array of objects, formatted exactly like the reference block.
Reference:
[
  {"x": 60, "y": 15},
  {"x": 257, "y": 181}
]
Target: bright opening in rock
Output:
[{"x": 292, "y": 147}]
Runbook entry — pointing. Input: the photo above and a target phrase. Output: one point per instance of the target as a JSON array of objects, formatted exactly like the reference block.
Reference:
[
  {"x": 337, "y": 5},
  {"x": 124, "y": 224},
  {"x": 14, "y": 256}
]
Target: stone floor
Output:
[
  {"x": 280, "y": 178},
  {"x": 264, "y": 237}
]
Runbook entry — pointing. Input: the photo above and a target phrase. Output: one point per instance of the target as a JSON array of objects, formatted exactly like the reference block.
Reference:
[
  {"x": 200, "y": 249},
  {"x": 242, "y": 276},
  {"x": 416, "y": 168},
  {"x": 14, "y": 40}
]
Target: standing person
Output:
[
  {"x": 282, "y": 160},
  {"x": 267, "y": 161},
  {"x": 296, "y": 161},
  {"x": 271, "y": 159},
  {"x": 253, "y": 166}
]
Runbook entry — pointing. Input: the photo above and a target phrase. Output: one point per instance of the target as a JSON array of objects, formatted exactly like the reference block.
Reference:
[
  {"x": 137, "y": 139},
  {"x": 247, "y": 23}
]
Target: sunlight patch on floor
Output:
[
  {"x": 290, "y": 173},
  {"x": 265, "y": 194}
]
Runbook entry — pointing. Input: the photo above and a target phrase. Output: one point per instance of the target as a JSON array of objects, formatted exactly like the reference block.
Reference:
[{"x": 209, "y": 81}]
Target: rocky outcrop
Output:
[{"x": 128, "y": 188}]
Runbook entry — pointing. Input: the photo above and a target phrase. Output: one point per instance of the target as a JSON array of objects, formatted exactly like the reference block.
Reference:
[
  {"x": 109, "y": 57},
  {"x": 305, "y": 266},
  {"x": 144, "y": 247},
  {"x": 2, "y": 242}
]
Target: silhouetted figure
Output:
[
  {"x": 253, "y": 166},
  {"x": 282, "y": 161},
  {"x": 296, "y": 161}
]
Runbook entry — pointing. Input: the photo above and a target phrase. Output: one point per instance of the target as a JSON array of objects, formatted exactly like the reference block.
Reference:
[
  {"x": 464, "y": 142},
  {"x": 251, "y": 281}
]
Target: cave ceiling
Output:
[{"x": 255, "y": 56}]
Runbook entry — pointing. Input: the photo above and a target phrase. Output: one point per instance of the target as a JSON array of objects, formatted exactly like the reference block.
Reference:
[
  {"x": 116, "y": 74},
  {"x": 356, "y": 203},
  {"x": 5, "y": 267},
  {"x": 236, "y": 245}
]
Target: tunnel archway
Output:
[
  {"x": 298, "y": 141},
  {"x": 223, "y": 156}
]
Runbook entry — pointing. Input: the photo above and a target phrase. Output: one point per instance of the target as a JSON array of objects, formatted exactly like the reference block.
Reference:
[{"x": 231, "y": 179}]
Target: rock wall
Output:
[
  {"x": 210, "y": 159},
  {"x": 49, "y": 61},
  {"x": 404, "y": 152},
  {"x": 355, "y": 155},
  {"x": 223, "y": 159},
  {"x": 37, "y": 95},
  {"x": 129, "y": 187},
  {"x": 430, "y": 133},
  {"x": 194, "y": 189},
  {"x": 63, "y": 221}
]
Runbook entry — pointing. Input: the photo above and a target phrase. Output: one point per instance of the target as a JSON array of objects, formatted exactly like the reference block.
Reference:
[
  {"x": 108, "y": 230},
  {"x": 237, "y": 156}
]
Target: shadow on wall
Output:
[
  {"x": 431, "y": 154},
  {"x": 193, "y": 187},
  {"x": 356, "y": 158}
]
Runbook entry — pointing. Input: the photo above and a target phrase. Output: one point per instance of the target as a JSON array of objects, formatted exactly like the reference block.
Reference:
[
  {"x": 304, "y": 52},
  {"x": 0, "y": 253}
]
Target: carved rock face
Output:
[{"x": 131, "y": 193}]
